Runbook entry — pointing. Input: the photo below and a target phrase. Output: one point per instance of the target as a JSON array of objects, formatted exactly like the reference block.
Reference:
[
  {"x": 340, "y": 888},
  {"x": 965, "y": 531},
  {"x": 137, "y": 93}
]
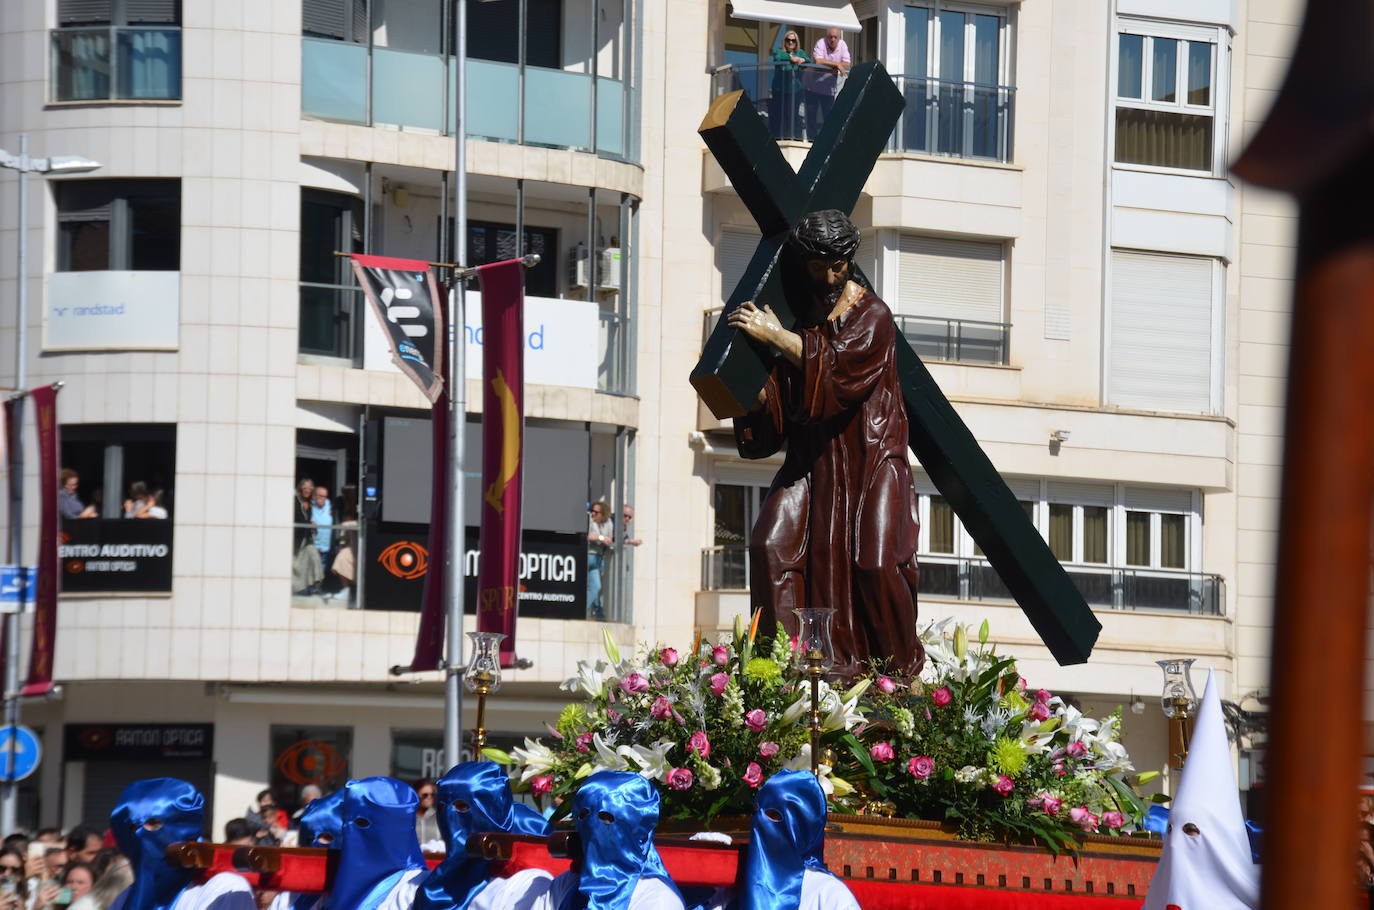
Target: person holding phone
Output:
[{"x": 14, "y": 890}]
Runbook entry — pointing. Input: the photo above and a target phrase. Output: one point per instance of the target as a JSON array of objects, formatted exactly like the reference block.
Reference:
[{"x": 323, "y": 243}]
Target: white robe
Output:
[
  {"x": 226, "y": 891},
  {"x": 525, "y": 890},
  {"x": 819, "y": 892},
  {"x": 649, "y": 894},
  {"x": 283, "y": 901},
  {"x": 402, "y": 897}
]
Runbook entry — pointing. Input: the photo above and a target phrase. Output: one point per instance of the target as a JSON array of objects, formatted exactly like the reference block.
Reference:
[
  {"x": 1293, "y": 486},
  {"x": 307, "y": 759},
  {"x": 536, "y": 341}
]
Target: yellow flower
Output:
[{"x": 1007, "y": 756}]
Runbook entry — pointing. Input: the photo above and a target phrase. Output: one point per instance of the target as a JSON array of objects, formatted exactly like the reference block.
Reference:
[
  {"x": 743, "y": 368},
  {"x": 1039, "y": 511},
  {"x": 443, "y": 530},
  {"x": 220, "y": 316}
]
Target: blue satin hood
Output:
[
  {"x": 180, "y": 809},
  {"x": 377, "y": 842},
  {"x": 323, "y": 816},
  {"x": 615, "y": 813},
  {"x": 788, "y": 838},
  {"x": 483, "y": 791}
]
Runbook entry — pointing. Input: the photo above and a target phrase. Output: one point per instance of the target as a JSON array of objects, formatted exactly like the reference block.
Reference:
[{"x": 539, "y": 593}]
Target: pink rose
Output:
[
  {"x": 768, "y": 750},
  {"x": 1042, "y": 695},
  {"x": 1059, "y": 769},
  {"x": 680, "y": 779},
  {"x": 721, "y": 655},
  {"x": 1051, "y": 804},
  {"x": 613, "y": 714},
  {"x": 668, "y": 657},
  {"x": 753, "y": 774},
  {"x": 886, "y": 685},
  {"x": 699, "y": 744},
  {"x": 1077, "y": 750},
  {"x": 662, "y": 708},
  {"x": 718, "y": 683},
  {"x": 1113, "y": 819},
  {"x": 1084, "y": 819},
  {"x": 921, "y": 767},
  {"x": 1040, "y": 711},
  {"x": 541, "y": 785},
  {"x": 584, "y": 742},
  {"x": 756, "y": 720},
  {"x": 882, "y": 752},
  {"x": 941, "y": 696},
  {"x": 634, "y": 684},
  {"x": 1003, "y": 785}
]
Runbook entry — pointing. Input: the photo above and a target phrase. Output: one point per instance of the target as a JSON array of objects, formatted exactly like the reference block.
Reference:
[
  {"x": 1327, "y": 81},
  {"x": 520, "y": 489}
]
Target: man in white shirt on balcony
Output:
[{"x": 832, "y": 54}]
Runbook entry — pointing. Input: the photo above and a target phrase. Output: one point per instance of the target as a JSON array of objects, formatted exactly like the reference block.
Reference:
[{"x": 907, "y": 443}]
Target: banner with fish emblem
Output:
[{"x": 503, "y": 439}]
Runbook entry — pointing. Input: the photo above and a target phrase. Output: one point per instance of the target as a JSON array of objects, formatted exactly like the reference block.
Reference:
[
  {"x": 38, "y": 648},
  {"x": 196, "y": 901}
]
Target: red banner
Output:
[
  {"x": 429, "y": 640},
  {"x": 45, "y": 600},
  {"x": 503, "y": 439}
]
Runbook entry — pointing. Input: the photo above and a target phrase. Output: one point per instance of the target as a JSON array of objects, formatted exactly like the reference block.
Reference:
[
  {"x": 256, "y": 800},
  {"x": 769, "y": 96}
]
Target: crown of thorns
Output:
[{"x": 827, "y": 234}]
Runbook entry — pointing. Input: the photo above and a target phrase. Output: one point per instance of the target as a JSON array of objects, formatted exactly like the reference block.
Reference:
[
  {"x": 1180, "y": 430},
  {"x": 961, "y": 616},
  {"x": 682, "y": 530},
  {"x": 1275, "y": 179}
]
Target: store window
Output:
[
  {"x": 118, "y": 225},
  {"x": 127, "y": 50},
  {"x": 302, "y": 755},
  {"x": 1168, "y": 103}
]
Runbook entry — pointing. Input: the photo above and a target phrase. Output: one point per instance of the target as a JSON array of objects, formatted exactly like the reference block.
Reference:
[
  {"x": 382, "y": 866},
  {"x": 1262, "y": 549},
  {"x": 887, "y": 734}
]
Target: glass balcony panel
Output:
[
  {"x": 333, "y": 80},
  {"x": 1096, "y": 587},
  {"x": 725, "y": 569},
  {"x": 81, "y": 64},
  {"x": 493, "y": 93},
  {"x": 149, "y": 63},
  {"x": 956, "y": 340},
  {"x": 328, "y": 324},
  {"x": 406, "y": 89},
  {"x": 938, "y": 579},
  {"x": 610, "y": 117},
  {"x": 558, "y": 108}
]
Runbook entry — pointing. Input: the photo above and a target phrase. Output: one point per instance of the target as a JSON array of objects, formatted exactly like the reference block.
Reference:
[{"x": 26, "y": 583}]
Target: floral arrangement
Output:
[{"x": 968, "y": 742}]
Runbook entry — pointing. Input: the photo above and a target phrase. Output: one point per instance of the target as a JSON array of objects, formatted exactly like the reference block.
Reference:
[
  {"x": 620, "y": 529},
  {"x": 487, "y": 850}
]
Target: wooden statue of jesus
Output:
[{"x": 838, "y": 526}]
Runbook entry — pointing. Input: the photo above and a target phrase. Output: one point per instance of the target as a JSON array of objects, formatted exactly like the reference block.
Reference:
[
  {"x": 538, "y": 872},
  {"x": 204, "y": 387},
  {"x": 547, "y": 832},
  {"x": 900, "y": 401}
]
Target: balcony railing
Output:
[
  {"x": 954, "y": 340},
  {"x": 727, "y": 569},
  {"x": 941, "y": 116},
  {"x": 330, "y": 324},
  {"x": 404, "y": 89},
  {"x": 116, "y": 63}
]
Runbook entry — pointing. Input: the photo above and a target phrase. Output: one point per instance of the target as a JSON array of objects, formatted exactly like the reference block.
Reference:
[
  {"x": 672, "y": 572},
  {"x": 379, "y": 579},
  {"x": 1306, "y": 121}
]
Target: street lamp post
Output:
[{"x": 24, "y": 165}]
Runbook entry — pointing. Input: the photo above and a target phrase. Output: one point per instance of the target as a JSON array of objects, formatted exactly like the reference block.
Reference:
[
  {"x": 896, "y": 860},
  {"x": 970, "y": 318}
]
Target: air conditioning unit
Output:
[
  {"x": 608, "y": 278},
  {"x": 607, "y": 268}
]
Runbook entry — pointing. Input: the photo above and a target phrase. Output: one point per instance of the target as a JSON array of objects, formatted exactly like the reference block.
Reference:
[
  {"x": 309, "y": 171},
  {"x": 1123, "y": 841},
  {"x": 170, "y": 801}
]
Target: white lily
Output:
[
  {"x": 652, "y": 760},
  {"x": 533, "y": 760},
  {"x": 841, "y": 715},
  {"x": 802, "y": 762},
  {"x": 590, "y": 678},
  {"x": 607, "y": 759},
  {"x": 795, "y": 710}
]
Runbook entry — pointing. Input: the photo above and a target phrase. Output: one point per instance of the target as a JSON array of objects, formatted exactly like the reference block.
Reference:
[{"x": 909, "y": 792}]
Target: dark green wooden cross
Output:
[{"x": 733, "y": 368}]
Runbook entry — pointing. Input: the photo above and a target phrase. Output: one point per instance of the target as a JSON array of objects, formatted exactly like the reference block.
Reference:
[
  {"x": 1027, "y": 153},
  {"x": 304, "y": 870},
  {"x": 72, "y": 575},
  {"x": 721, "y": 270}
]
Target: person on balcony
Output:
[
  {"x": 784, "y": 98},
  {"x": 832, "y": 57},
  {"x": 68, "y": 504}
]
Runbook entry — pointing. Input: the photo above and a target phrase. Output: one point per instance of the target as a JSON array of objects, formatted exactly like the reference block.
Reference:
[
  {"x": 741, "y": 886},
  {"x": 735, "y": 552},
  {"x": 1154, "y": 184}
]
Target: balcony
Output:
[
  {"x": 941, "y": 117},
  {"x": 934, "y": 339},
  {"x": 330, "y": 323},
  {"x": 343, "y": 82},
  {"x": 727, "y": 569}
]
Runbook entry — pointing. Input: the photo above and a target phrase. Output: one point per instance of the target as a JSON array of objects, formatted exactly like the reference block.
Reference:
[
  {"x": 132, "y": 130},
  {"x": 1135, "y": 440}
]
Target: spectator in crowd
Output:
[
  {"x": 238, "y": 831},
  {"x": 600, "y": 539},
  {"x": 68, "y": 505},
  {"x": 113, "y": 875},
  {"x": 322, "y": 518},
  {"x": 426, "y": 818},
  {"x": 138, "y": 499},
  {"x": 628, "y": 516},
  {"x": 345, "y": 566},
  {"x": 147, "y": 505},
  {"x": 306, "y": 570},
  {"x": 84, "y": 843},
  {"x": 14, "y": 887},
  {"x": 269, "y": 822},
  {"x": 77, "y": 881},
  {"x": 832, "y": 54},
  {"x": 785, "y": 89}
]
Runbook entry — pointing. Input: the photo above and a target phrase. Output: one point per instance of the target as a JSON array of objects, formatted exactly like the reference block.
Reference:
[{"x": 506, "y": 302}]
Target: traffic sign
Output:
[
  {"x": 16, "y": 587},
  {"x": 25, "y": 749}
]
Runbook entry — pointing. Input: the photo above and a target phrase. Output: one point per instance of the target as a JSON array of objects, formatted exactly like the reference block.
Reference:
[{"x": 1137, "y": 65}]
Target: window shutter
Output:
[
  {"x": 1159, "y": 499},
  {"x": 867, "y": 259},
  {"x": 733, "y": 252},
  {"x": 1024, "y": 488},
  {"x": 360, "y": 23},
  {"x": 1161, "y": 332},
  {"x": 153, "y": 12},
  {"x": 83, "y": 12},
  {"x": 950, "y": 279},
  {"x": 1081, "y": 494},
  {"x": 324, "y": 19}
]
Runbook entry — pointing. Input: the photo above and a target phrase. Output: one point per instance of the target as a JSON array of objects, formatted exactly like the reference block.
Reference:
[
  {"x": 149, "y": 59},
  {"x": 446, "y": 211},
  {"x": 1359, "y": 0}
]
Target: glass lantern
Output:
[
  {"x": 813, "y": 636},
  {"x": 1178, "y": 697},
  {"x": 485, "y": 667}
]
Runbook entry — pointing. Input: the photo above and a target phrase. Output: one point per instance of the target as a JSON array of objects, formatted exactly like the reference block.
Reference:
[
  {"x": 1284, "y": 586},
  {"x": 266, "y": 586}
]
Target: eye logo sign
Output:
[
  {"x": 310, "y": 761},
  {"x": 398, "y": 313},
  {"x": 405, "y": 559}
]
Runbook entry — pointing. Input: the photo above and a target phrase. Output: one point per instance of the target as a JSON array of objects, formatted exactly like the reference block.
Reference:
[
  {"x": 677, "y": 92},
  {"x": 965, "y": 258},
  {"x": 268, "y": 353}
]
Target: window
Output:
[
  {"x": 1157, "y": 528},
  {"x": 955, "y": 77},
  {"x": 1165, "y": 332},
  {"x": 950, "y": 298},
  {"x": 736, "y": 507},
  {"x": 733, "y": 252},
  {"x": 302, "y": 755},
  {"x": 493, "y": 30},
  {"x": 330, "y": 302},
  {"x": 118, "y": 225},
  {"x": 117, "y": 50},
  {"x": 492, "y": 242},
  {"x": 1167, "y": 86}
]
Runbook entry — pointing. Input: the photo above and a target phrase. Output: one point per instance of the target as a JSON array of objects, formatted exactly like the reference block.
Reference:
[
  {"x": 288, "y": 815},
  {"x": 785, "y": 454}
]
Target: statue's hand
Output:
[{"x": 762, "y": 325}]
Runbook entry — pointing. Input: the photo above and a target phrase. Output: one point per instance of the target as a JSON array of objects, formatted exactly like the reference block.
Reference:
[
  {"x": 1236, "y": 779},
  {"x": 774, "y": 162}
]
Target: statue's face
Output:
[{"x": 827, "y": 274}]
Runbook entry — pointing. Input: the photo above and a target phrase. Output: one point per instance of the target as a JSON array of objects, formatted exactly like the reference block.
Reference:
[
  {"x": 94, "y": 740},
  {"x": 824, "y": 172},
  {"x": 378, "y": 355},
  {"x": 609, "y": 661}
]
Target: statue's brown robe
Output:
[{"x": 838, "y": 527}]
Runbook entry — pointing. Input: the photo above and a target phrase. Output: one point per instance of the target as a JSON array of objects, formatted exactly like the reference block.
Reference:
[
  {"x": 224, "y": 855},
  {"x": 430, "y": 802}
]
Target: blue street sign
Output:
[
  {"x": 27, "y": 752},
  {"x": 16, "y": 587}
]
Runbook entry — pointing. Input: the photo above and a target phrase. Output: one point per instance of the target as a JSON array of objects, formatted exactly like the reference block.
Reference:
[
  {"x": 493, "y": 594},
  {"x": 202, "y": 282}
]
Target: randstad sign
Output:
[{"x": 561, "y": 342}]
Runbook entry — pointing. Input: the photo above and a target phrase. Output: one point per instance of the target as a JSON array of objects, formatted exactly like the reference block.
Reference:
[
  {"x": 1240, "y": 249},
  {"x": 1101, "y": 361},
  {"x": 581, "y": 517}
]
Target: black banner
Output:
[
  {"x": 98, "y": 555},
  {"x": 137, "y": 742},
  {"x": 405, "y": 298},
  {"x": 553, "y": 571}
]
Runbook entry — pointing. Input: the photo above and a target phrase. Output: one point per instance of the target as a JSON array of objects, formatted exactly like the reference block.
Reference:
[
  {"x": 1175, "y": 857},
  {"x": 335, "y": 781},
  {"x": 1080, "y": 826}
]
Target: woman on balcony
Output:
[{"x": 784, "y": 97}]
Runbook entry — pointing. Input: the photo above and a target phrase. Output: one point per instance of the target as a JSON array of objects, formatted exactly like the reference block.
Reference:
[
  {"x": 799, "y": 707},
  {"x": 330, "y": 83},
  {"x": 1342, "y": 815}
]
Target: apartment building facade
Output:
[{"x": 1052, "y": 224}]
